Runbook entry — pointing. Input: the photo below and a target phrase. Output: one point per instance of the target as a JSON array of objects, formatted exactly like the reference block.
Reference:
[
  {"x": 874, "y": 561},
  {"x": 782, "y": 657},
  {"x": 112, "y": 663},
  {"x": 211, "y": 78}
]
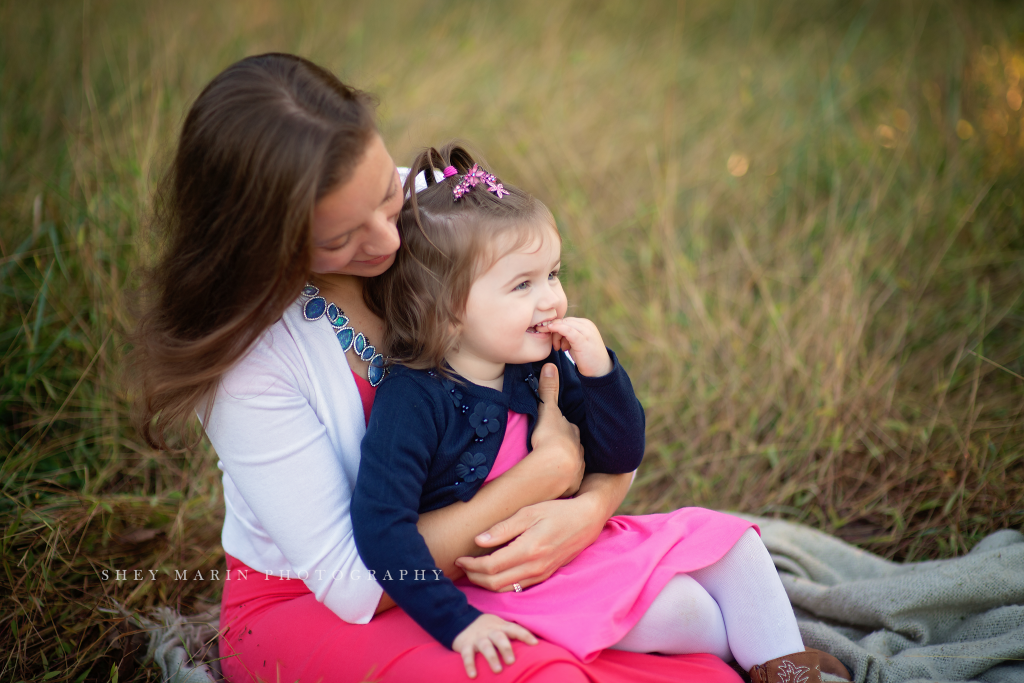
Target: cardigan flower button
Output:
[
  {"x": 472, "y": 467},
  {"x": 484, "y": 419},
  {"x": 531, "y": 382},
  {"x": 454, "y": 394}
]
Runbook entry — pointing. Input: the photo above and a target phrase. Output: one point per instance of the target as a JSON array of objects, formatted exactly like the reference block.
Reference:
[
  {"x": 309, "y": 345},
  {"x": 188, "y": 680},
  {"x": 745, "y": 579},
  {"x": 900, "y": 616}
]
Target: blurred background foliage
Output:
[{"x": 799, "y": 223}]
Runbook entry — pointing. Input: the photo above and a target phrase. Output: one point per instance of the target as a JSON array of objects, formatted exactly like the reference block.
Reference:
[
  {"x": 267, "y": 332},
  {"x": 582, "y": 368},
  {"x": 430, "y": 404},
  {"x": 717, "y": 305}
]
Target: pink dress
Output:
[{"x": 594, "y": 600}]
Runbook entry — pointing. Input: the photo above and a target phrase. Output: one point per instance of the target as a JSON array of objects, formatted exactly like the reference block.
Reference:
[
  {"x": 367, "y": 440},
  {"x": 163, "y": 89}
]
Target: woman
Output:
[{"x": 280, "y": 179}]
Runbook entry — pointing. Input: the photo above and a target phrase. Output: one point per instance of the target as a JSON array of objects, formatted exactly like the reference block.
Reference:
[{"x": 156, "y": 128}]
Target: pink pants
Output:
[{"x": 274, "y": 630}]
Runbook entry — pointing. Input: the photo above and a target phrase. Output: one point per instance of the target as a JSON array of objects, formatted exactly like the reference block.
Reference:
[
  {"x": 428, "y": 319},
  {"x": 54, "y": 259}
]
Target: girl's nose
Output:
[{"x": 550, "y": 297}]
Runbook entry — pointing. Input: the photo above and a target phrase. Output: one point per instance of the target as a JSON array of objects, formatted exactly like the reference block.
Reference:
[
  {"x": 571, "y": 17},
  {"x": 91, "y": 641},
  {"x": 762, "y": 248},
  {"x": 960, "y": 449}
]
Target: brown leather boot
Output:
[
  {"x": 831, "y": 665},
  {"x": 799, "y": 667}
]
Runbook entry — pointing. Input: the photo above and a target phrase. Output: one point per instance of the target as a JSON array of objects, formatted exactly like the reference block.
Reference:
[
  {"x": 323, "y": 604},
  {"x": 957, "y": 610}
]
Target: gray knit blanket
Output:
[{"x": 960, "y": 619}]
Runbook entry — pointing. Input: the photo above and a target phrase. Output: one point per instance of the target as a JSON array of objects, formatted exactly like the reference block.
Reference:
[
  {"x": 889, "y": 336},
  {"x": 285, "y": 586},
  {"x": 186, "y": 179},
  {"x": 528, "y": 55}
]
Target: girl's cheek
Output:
[{"x": 562, "y": 306}]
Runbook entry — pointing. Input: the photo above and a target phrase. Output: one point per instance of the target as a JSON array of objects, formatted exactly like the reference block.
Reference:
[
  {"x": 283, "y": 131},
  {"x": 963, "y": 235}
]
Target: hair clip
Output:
[{"x": 474, "y": 177}]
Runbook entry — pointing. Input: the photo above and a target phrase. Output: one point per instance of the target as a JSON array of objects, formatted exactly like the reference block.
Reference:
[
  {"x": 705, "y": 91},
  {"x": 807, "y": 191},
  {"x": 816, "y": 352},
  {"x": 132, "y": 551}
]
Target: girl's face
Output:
[
  {"x": 353, "y": 230},
  {"x": 506, "y": 307}
]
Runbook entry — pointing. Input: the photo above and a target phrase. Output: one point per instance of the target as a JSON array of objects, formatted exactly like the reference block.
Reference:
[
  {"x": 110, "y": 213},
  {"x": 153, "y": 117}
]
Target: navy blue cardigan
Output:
[{"x": 431, "y": 441}]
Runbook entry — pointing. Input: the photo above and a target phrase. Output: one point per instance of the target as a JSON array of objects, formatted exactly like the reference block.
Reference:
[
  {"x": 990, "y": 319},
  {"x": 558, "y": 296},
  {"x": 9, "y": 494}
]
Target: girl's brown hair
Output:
[
  {"x": 263, "y": 142},
  {"x": 446, "y": 245}
]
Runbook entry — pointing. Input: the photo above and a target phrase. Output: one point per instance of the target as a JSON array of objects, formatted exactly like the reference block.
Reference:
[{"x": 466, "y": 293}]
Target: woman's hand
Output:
[
  {"x": 556, "y": 441},
  {"x": 543, "y": 537},
  {"x": 489, "y": 635}
]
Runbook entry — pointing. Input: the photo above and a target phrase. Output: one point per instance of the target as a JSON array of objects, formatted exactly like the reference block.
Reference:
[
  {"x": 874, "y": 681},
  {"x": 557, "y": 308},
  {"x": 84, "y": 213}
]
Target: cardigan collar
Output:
[{"x": 518, "y": 392}]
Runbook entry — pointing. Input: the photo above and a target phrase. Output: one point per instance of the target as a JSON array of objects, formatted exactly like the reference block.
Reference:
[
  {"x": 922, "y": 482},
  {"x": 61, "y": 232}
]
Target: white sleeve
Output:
[{"x": 280, "y": 459}]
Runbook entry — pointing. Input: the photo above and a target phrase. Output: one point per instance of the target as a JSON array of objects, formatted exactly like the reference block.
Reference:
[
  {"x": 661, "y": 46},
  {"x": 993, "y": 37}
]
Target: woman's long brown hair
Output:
[{"x": 263, "y": 142}]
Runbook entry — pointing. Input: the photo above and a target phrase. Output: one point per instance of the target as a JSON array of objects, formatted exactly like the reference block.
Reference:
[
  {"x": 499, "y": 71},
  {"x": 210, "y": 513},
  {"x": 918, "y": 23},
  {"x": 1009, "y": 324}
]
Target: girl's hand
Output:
[
  {"x": 558, "y": 438},
  {"x": 582, "y": 340},
  {"x": 485, "y": 634}
]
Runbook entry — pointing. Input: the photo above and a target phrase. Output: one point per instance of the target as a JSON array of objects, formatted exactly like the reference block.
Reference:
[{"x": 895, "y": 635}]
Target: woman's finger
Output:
[
  {"x": 525, "y": 575},
  {"x": 505, "y": 530},
  {"x": 548, "y": 389},
  {"x": 512, "y": 565}
]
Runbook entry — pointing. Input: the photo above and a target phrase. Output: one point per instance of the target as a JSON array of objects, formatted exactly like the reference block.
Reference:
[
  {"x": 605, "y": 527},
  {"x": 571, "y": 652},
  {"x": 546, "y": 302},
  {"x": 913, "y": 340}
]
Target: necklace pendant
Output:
[
  {"x": 346, "y": 336},
  {"x": 310, "y": 290},
  {"x": 360, "y": 344},
  {"x": 314, "y": 308},
  {"x": 332, "y": 312},
  {"x": 375, "y": 373},
  {"x": 335, "y": 316}
]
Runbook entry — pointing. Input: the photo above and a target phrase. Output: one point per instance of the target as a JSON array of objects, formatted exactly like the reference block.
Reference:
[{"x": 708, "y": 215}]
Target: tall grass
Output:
[{"x": 798, "y": 223}]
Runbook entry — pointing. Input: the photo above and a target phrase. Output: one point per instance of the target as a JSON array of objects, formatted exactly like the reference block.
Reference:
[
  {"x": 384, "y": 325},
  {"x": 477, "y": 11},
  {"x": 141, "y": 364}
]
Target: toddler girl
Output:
[{"x": 474, "y": 310}]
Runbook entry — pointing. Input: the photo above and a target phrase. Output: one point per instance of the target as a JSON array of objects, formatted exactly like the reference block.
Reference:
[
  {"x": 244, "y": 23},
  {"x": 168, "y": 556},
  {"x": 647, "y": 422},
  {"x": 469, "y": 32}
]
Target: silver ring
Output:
[{"x": 519, "y": 589}]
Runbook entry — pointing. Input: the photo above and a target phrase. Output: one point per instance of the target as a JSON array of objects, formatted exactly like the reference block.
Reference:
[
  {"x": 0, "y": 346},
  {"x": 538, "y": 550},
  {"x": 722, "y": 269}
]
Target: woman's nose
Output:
[{"x": 383, "y": 238}]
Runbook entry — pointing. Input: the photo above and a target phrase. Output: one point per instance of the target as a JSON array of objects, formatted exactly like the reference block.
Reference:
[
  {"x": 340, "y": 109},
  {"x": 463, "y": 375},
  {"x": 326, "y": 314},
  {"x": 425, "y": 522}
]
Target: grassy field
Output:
[{"x": 799, "y": 223}]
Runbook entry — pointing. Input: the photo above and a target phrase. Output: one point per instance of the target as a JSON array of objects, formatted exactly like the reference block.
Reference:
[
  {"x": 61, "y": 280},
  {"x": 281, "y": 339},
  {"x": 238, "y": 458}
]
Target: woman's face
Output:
[{"x": 353, "y": 228}]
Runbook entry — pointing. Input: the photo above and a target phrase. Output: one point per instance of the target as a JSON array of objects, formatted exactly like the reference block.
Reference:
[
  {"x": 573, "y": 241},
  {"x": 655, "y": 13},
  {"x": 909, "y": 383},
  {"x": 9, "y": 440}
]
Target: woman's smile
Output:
[{"x": 375, "y": 261}]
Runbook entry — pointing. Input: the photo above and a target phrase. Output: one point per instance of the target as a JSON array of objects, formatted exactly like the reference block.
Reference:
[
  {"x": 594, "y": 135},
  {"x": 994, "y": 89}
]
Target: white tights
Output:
[{"x": 735, "y": 608}]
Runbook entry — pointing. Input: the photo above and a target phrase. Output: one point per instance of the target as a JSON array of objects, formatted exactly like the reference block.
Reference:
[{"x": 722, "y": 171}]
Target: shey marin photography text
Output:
[{"x": 243, "y": 575}]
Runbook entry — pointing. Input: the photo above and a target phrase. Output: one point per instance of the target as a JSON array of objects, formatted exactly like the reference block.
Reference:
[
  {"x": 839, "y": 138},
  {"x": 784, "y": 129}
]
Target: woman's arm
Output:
[
  {"x": 287, "y": 484},
  {"x": 544, "y": 536}
]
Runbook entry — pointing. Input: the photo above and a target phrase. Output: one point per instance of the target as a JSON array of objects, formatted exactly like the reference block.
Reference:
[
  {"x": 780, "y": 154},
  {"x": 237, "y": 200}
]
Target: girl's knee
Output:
[{"x": 749, "y": 550}]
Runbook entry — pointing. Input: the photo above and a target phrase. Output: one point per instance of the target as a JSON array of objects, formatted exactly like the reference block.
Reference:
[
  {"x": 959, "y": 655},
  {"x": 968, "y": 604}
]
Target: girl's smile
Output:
[
  {"x": 509, "y": 309},
  {"x": 540, "y": 328}
]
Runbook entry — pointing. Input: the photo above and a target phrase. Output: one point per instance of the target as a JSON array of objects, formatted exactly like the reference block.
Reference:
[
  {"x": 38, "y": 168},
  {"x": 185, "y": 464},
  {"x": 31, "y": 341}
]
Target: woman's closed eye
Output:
[
  {"x": 339, "y": 242},
  {"x": 341, "y": 245}
]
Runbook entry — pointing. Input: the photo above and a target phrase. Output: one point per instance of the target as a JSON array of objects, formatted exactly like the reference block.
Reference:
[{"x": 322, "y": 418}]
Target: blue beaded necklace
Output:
[{"x": 317, "y": 307}]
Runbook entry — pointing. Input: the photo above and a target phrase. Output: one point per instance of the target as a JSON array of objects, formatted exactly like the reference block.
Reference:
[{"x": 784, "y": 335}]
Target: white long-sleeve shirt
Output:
[{"x": 286, "y": 423}]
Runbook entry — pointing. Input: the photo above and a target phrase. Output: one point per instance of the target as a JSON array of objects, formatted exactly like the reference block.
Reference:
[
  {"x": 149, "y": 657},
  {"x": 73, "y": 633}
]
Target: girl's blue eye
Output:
[
  {"x": 553, "y": 275},
  {"x": 521, "y": 285}
]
